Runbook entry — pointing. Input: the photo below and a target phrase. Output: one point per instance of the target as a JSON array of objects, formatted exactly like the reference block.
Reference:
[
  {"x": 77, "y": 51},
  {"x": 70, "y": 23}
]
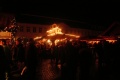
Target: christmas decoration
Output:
[
  {"x": 12, "y": 27},
  {"x": 5, "y": 20}
]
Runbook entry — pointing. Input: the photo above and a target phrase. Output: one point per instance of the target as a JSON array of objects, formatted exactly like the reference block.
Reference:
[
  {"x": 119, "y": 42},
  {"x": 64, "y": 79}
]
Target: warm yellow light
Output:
[
  {"x": 71, "y": 39},
  {"x": 37, "y": 38},
  {"x": 51, "y": 34},
  {"x": 55, "y": 30},
  {"x": 111, "y": 41},
  {"x": 93, "y": 42},
  {"x": 73, "y": 35},
  {"x": 44, "y": 40},
  {"x": 48, "y": 41},
  {"x": 56, "y": 41}
]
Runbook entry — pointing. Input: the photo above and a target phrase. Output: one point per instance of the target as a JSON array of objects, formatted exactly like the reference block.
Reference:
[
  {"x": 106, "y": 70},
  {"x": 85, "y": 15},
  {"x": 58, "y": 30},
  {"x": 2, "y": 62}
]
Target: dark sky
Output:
[{"x": 96, "y": 12}]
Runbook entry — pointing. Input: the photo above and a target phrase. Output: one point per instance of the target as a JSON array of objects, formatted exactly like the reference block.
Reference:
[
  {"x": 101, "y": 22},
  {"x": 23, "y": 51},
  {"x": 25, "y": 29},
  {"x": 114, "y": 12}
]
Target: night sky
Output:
[{"x": 96, "y": 12}]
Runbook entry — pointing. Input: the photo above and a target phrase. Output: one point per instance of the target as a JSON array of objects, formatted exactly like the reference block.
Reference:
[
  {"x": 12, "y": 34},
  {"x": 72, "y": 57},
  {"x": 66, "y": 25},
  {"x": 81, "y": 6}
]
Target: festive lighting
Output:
[
  {"x": 56, "y": 41},
  {"x": 55, "y": 30},
  {"x": 93, "y": 42},
  {"x": 48, "y": 41},
  {"x": 12, "y": 27},
  {"x": 73, "y": 35},
  {"x": 111, "y": 41},
  {"x": 37, "y": 38}
]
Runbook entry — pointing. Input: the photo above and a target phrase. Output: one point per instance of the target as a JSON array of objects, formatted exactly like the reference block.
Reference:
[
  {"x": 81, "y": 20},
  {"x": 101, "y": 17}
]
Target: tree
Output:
[{"x": 12, "y": 27}]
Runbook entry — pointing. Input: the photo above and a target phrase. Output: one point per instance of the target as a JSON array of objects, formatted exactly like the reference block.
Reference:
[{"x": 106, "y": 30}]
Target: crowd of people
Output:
[
  {"x": 78, "y": 59},
  {"x": 15, "y": 58},
  {"x": 84, "y": 61}
]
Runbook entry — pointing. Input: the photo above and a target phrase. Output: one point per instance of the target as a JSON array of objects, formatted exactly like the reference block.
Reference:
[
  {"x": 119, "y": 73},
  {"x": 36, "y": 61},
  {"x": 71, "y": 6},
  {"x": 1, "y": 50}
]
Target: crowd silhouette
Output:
[{"x": 78, "y": 59}]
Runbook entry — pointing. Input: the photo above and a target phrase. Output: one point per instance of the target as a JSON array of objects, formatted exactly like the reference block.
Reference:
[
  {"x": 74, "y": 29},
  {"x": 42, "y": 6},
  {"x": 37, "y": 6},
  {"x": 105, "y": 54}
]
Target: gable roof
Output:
[
  {"x": 26, "y": 18},
  {"x": 112, "y": 30}
]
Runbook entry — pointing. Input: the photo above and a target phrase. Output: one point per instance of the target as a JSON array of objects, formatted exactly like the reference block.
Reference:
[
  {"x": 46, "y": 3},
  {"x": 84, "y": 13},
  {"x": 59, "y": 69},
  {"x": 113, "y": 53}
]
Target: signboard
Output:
[{"x": 5, "y": 35}]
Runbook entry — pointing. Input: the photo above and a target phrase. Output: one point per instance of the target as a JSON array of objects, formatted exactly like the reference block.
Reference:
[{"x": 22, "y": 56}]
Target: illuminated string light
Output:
[
  {"x": 54, "y": 30},
  {"x": 73, "y": 35},
  {"x": 12, "y": 27}
]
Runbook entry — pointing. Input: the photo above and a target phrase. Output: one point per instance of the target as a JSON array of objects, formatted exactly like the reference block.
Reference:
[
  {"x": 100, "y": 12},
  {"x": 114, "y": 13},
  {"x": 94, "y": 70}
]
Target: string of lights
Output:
[{"x": 12, "y": 27}]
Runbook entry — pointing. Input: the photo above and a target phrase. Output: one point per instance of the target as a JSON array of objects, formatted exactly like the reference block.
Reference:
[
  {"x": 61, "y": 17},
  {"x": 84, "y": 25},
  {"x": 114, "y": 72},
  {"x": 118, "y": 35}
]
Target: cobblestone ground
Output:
[{"x": 47, "y": 70}]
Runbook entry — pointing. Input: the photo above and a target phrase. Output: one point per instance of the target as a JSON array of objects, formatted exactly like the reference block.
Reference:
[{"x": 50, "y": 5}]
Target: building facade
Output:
[
  {"x": 27, "y": 30},
  {"x": 30, "y": 30}
]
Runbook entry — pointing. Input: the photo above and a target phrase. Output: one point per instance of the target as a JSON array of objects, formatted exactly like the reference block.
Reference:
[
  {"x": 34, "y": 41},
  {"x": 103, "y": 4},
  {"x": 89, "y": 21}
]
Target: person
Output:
[
  {"x": 85, "y": 61},
  {"x": 19, "y": 55},
  {"x": 8, "y": 57},
  {"x": 2, "y": 63},
  {"x": 31, "y": 60}
]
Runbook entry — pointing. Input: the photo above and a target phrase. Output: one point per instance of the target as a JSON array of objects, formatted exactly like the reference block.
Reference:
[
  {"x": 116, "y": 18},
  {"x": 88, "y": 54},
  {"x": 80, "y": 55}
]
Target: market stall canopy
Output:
[
  {"x": 56, "y": 33},
  {"x": 5, "y": 35},
  {"x": 62, "y": 36}
]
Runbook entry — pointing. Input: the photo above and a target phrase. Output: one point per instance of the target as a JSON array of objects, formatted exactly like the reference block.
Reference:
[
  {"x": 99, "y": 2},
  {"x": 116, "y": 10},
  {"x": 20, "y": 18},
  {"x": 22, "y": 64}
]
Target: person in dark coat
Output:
[
  {"x": 2, "y": 63},
  {"x": 19, "y": 55},
  {"x": 85, "y": 61},
  {"x": 8, "y": 57},
  {"x": 31, "y": 60}
]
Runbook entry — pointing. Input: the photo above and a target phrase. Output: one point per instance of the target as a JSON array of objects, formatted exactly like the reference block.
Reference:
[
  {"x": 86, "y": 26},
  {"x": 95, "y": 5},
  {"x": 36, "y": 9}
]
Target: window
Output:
[
  {"x": 28, "y": 29},
  {"x": 77, "y": 31},
  {"x": 21, "y": 29},
  {"x": 34, "y": 29},
  {"x": 40, "y": 29}
]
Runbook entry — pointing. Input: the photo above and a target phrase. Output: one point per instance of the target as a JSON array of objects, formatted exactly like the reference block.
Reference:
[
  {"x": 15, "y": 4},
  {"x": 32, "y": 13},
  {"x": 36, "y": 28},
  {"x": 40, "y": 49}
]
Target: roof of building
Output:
[
  {"x": 112, "y": 30},
  {"x": 50, "y": 20},
  {"x": 25, "y": 18}
]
